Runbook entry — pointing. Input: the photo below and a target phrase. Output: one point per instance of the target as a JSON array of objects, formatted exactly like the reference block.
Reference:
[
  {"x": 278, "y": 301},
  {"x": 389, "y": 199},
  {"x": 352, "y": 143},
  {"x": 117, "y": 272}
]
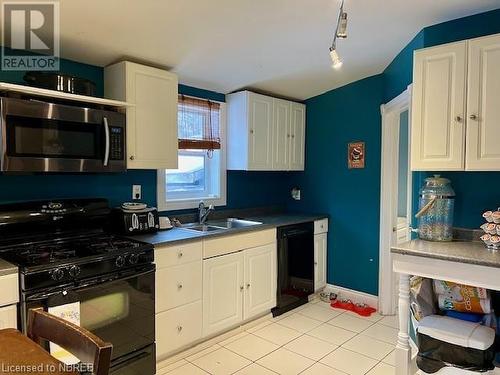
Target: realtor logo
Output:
[{"x": 30, "y": 35}]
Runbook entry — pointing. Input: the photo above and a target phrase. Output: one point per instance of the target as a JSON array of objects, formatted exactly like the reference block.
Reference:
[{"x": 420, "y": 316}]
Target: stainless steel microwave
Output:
[{"x": 39, "y": 136}]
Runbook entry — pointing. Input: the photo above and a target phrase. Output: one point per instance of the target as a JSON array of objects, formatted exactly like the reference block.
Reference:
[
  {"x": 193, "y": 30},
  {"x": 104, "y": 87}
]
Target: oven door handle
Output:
[{"x": 106, "y": 140}]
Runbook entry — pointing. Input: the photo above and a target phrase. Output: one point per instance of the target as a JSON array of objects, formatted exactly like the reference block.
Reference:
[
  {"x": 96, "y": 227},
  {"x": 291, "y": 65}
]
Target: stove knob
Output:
[
  {"x": 133, "y": 258},
  {"x": 120, "y": 261},
  {"x": 74, "y": 271},
  {"x": 57, "y": 274}
]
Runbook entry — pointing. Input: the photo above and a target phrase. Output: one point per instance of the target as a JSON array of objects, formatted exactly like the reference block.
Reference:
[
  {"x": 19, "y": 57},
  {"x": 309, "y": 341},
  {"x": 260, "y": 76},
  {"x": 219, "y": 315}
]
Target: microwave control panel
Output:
[{"x": 116, "y": 143}]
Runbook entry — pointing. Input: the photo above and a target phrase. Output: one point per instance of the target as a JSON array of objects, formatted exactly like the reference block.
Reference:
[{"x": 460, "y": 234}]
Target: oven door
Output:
[
  {"x": 45, "y": 137},
  {"x": 118, "y": 308}
]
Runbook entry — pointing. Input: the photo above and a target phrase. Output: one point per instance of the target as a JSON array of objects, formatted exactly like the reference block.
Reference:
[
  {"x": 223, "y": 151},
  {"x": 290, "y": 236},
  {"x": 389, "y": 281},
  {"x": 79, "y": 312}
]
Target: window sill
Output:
[{"x": 183, "y": 204}]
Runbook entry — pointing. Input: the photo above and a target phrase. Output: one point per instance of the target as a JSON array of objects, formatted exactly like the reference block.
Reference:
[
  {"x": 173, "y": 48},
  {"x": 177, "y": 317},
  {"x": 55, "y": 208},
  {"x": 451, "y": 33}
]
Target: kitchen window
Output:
[{"x": 201, "y": 172}]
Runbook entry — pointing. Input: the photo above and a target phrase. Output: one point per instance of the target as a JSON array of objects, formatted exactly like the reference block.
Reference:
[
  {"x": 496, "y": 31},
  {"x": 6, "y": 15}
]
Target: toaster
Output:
[{"x": 135, "y": 220}]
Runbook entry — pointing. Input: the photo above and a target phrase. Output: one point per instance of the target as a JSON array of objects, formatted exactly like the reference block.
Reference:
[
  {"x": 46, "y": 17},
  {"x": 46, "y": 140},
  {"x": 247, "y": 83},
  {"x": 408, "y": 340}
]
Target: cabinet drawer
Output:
[
  {"x": 9, "y": 289},
  {"x": 230, "y": 244},
  {"x": 177, "y": 327},
  {"x": 321, "y": 226},
  {"x": 174, "y": 255},
  {"x": 176, "y": 286},
  {"x": 8, "y": 317}
]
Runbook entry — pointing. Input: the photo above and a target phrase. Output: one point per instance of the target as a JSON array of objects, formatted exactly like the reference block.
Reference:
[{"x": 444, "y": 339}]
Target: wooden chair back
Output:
[{"x": 84, "y": 345}]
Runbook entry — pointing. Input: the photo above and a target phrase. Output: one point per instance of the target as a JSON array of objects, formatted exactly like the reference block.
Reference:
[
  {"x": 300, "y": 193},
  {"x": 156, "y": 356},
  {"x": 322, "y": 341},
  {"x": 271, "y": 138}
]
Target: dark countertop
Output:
[
  {"x": 177, "y": 235},
  {"x": 471, "y": 252}
]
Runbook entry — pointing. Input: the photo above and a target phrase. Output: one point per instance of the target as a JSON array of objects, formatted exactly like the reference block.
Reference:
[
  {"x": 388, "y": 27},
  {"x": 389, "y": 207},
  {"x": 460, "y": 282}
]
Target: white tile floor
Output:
[{"x": 311, "y": 340}]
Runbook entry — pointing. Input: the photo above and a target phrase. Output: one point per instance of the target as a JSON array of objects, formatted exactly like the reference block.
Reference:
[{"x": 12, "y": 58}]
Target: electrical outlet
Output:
[{"x": 136, "y": 192}]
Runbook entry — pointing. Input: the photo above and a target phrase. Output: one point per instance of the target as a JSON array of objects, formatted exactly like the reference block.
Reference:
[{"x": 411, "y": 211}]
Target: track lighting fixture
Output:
[{"x": 340, "y": 32}]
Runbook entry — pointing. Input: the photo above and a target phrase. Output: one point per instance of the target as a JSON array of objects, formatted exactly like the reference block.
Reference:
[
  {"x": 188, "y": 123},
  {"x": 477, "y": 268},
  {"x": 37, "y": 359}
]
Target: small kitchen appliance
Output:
[
  {"x": 435, "y": 215},
  {"x": 135, "y": 218}
]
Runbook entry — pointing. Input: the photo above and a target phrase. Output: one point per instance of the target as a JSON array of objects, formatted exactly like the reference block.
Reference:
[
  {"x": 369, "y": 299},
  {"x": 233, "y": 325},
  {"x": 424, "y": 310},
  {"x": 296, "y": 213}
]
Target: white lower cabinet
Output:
[
  {"x": 178, "y": 327},
  {"x": 320, "y": 252},
  {"x": 178, "y": 297},
  {"x": 208, "y": 286},
  {"x": 223, "y": 292},
  {"x": 8, "y": 317},
  {"x": 260, "y": 280}
]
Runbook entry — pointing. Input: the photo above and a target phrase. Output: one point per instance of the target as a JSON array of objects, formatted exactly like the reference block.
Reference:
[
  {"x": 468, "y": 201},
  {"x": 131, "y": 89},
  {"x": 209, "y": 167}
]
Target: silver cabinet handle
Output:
[
  {"x": 179, "y": 328},
  {"x": 106, "y": 140},
  {"x": 458, "y": 119},
  {"x": 473, "y": 117}
]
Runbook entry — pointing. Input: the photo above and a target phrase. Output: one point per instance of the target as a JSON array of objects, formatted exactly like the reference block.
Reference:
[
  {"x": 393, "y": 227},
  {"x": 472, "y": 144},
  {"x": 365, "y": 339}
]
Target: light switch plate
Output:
[{"x": 136, "y": 192}]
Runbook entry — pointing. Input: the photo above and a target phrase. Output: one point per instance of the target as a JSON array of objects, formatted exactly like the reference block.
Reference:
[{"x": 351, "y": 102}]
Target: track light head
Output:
[
  {"x": 342, "y": 28},
  {"x": 336, "y": 60}
]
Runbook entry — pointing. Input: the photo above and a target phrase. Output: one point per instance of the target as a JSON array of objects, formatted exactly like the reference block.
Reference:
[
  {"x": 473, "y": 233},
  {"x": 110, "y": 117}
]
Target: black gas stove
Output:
[
  {"x": 54, "y": 251},
  {"x": 66, "y": 255}
]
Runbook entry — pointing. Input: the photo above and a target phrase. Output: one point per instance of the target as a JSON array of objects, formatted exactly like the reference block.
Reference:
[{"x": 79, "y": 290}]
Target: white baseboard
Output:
[{"x": 353, "y": 295}]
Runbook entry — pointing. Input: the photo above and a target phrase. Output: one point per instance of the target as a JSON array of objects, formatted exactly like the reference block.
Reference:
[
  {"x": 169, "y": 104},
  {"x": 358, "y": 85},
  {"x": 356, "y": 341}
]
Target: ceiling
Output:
[{"x": 278, "y": 46}]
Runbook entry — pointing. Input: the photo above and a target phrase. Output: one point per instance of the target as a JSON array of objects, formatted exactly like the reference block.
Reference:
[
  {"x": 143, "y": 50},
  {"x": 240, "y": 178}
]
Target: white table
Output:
[{"x": 461, "y": 262}]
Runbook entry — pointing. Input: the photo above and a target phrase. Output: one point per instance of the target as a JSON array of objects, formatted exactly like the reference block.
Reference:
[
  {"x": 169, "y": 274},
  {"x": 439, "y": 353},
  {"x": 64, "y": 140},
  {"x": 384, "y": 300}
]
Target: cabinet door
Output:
[
  {"x": 260, "y": 120},
  {"x": 152, "y": 122},
  {"x": 260, "y": 280},
  {"x": 281, "y": 134},
  {"x": 483, "y": 109},
  {"x": 222, "y": 292},
  {"x": 320, "y": 250},
  {"x": 297, "y": 137},
  {"x": 8, "y": 317},
  {"x": 438, "y": 108}
]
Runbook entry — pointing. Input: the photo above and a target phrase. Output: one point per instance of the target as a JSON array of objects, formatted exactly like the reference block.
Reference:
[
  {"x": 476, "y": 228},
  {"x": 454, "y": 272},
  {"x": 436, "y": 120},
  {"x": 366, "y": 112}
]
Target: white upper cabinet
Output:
[
  {"x": 297, "y": 136},
  {"x": 281, "y": 134},
  {"x": 260, "y": 119},
  {"x": 438, "y": 108},
  {"x": 152, "y": 119},
  {"x": 455, "y": 111},
  {"x": 265, "y": 133},
  {"x": 483, "y": 106}
]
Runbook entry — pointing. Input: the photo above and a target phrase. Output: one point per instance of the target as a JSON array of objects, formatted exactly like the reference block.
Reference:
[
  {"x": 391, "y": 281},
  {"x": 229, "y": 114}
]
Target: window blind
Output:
[{"x": 198, "y": 124}]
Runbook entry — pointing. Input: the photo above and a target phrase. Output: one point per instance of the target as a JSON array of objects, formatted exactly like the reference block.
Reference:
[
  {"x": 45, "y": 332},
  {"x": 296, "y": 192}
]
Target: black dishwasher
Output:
[{"x": 295, "y": 266}]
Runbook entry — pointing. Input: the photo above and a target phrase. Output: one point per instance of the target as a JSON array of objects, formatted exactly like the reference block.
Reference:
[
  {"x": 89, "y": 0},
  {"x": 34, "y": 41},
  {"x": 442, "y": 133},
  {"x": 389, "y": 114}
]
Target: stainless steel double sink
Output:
[{"x": 220, "y": 225}]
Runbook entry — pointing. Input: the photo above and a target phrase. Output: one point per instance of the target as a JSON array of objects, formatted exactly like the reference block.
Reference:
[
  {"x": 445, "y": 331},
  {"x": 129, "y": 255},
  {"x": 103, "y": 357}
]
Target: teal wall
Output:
[
  {"x": 351, "y": 197},
  {"x": 244, "y": 189}
]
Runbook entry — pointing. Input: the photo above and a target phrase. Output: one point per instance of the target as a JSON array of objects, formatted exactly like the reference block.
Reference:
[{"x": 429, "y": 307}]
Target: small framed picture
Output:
[{"x": 356, "y": 155}]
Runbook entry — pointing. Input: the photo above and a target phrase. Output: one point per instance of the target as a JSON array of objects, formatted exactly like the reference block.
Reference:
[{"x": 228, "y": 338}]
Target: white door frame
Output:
[{"x": 391, "y": 113}]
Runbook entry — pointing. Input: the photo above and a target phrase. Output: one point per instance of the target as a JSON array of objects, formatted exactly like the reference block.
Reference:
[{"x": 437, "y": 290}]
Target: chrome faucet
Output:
[{"x": 203, "y": 212}]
